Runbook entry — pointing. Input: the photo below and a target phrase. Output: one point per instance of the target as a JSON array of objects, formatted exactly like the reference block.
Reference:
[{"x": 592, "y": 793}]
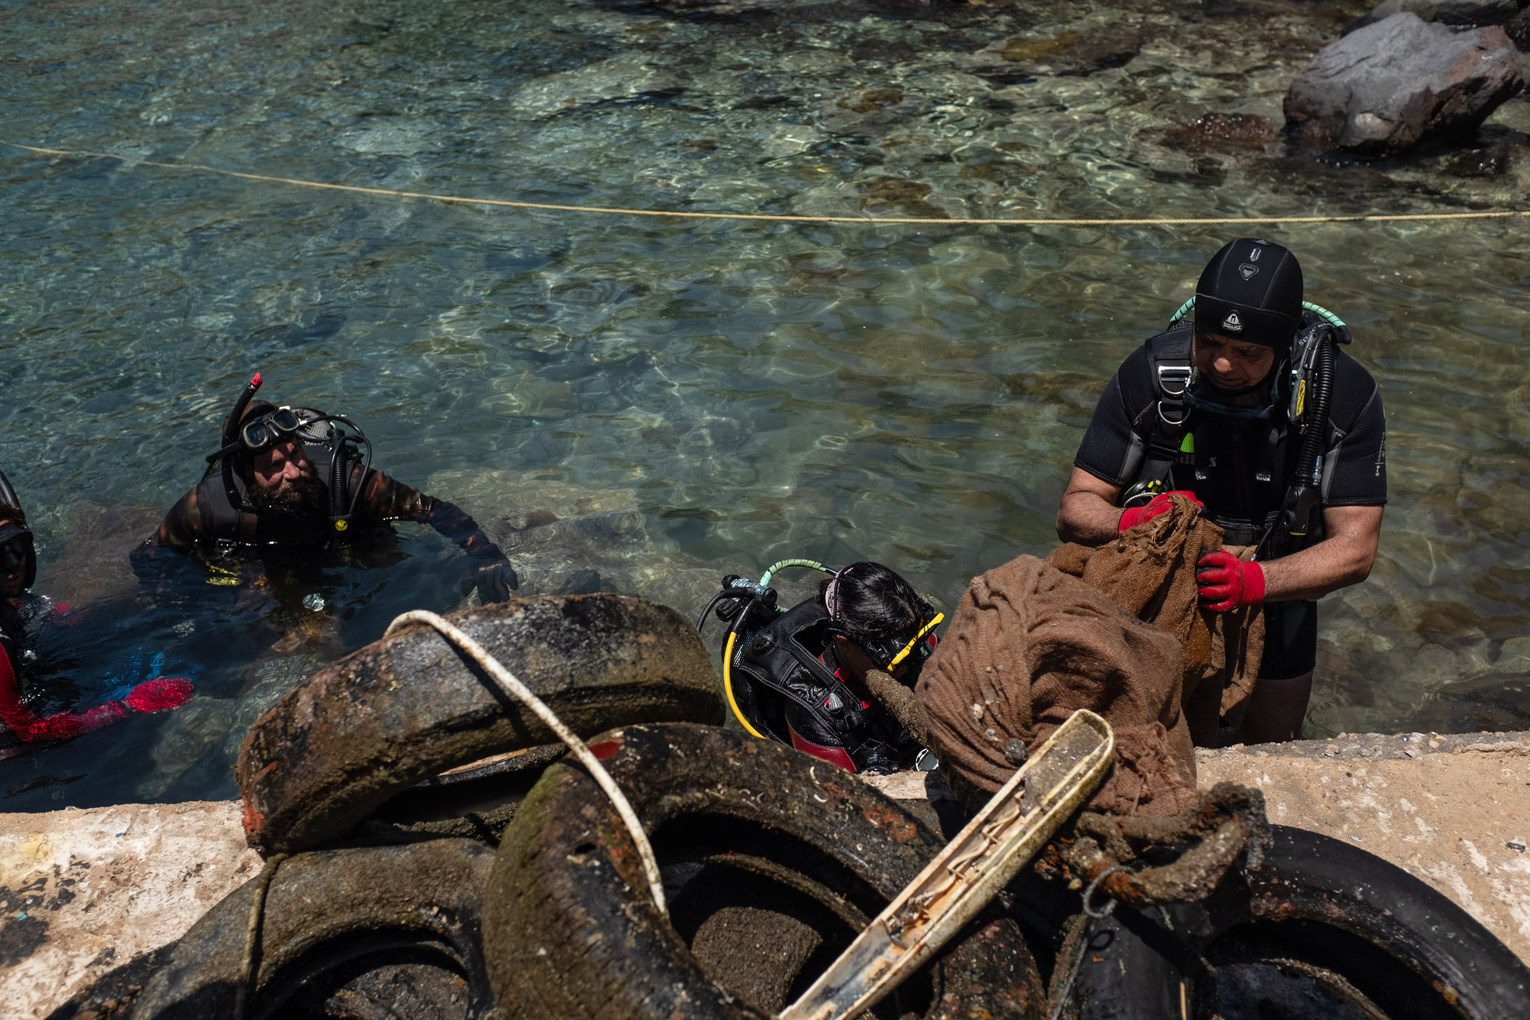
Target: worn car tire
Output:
[
  {"x": 359, "y": 932},
  {"x": 1320, "y": 927},
  {"x": 410, "y": 706},
  {"x": 474, "y": 802},
  {"x": 772, "y": 862}
]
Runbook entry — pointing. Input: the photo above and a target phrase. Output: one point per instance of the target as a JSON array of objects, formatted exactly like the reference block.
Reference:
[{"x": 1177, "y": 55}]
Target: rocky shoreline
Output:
[{"x": 85, "y": 891}]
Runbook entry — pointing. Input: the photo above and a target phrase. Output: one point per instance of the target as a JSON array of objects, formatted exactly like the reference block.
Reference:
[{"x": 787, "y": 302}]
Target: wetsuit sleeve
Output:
[
  {"x": 160, "y": 556},
  {"x": 1112, "y": 445},
  {"x": 183, "y": 527},
  {"x": 157, "y": 695},
  {"x": 1357, "y": 463},
  {"x": 384, "y": 499}
]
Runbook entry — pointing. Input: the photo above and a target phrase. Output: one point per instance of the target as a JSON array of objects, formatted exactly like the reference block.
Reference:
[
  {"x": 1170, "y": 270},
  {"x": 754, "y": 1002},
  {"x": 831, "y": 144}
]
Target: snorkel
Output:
[{"x": 230, "y": 433}]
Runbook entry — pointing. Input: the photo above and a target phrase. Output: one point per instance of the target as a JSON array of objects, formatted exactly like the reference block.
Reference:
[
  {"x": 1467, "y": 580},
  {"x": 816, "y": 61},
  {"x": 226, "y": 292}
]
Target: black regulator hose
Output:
[{"x": 1306, "y": 492}]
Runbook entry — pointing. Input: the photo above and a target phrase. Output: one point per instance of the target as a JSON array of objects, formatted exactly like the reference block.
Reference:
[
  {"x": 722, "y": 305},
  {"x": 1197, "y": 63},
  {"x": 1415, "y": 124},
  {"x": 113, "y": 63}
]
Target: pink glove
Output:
[
  {"x": 1159, "y": 504},
  {"x": 1228, "y": 583}
]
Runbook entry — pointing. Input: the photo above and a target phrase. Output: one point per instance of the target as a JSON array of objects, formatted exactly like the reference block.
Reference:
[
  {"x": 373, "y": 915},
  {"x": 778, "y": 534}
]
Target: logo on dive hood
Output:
[
  {"x": 1247, "y": 271},
  {"x": 1232, "y": 323}
]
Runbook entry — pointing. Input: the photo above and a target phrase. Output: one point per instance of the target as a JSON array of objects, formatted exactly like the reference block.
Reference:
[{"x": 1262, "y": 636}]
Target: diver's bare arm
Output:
[
  {"x": 1342, "y": 558},
  {"x": 1087, "y": 513}
]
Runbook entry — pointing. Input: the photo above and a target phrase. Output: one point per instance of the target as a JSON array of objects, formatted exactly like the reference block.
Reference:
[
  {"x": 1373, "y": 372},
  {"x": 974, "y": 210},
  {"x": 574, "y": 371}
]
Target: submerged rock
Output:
[
  {"x": 1389, "y": 86},
  {"x": 619, "y": 79},
  {"x": 1222, "y": 132},
  {"x": 1072, "y": 52}
]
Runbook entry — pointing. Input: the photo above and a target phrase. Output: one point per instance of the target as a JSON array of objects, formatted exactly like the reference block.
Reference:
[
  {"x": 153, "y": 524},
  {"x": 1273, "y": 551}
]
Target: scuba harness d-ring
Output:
[{"x": 318, "y": 433}]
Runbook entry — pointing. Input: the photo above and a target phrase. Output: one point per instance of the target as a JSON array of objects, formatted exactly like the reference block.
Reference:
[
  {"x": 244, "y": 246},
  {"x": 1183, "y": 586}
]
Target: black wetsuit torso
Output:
[{"x": 1240, "y": 469}]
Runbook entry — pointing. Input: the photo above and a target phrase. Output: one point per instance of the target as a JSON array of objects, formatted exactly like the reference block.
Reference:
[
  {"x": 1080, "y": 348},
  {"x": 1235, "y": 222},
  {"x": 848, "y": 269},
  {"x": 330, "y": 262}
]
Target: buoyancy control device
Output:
[
  {"x": 1301, "y": 385},
  {"x": 779, "y": 686}
]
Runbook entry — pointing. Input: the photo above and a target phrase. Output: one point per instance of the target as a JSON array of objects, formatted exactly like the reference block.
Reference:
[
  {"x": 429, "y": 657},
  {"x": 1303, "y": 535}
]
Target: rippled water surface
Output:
[{"x": 694, "y": 396}]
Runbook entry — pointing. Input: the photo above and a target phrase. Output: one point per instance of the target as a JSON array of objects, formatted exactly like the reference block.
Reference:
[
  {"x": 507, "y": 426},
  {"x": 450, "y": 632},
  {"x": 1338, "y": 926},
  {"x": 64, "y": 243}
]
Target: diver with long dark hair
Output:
[
  {"x": 301, "y": 477},
  {"x": 800, "y": 676}
]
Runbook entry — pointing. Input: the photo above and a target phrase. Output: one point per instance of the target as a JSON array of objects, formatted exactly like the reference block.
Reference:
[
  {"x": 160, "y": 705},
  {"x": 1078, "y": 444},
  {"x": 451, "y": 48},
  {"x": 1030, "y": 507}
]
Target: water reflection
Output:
[{"x": 910, "y": 394}]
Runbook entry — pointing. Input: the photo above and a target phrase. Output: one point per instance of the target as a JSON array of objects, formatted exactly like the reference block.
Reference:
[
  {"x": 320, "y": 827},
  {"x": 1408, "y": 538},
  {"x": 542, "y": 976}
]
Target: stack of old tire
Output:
[{"x": 512, "y": 888}]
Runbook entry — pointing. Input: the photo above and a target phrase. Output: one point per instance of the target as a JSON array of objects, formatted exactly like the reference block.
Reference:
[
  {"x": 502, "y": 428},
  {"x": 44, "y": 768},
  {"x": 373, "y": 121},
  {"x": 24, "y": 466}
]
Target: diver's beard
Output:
[{"x": 299, "y": 500}]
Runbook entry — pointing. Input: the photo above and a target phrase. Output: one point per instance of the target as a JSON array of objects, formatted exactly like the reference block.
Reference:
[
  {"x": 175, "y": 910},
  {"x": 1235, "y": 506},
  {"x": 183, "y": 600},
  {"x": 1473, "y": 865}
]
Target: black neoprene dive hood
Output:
[
  {"x": 13, "y": 526},
  {"x": 1251, "y": 290}
]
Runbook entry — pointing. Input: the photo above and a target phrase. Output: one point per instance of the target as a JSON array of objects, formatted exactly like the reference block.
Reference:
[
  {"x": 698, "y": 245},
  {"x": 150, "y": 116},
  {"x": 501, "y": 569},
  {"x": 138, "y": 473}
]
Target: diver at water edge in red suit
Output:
[{"x": 19, "y": 606}]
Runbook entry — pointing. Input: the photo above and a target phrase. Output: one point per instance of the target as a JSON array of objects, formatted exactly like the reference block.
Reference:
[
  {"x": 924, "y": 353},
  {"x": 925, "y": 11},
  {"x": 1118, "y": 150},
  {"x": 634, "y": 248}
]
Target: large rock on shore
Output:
[
  {"x": 1389, "y": 86},
  {"x": 1450, "y": 12}
]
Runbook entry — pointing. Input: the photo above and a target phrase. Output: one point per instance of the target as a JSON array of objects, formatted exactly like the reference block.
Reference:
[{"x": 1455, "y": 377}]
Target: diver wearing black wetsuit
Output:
[
  {"x": 800, "y": 678},
  {"x": 294, "y": 476},
  {"x": 1295, "y": 468}
]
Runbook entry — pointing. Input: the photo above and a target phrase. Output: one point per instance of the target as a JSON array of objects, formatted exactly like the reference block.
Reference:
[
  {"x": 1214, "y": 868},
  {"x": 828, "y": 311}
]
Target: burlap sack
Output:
[
  {"x": 1117, "y": 629},
  {"x": 1150, "y": 572},
  {"x": 1029, "y": 644}
]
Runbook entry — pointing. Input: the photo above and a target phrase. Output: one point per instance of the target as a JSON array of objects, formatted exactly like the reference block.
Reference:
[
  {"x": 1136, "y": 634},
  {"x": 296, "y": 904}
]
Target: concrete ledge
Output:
[
  {"x": 1452, "y": 810},
  {"x": 83, "y": 891}
]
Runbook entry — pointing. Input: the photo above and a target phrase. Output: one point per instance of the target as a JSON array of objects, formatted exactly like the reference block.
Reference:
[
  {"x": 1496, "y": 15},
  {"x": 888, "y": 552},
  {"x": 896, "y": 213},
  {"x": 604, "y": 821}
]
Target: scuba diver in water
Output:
[
  {"x": 799, "y": 676},
  {"x": 24, "y": 697},
  {"x": 297, "y": 477},
  {"x": 1248, "y": 407}
]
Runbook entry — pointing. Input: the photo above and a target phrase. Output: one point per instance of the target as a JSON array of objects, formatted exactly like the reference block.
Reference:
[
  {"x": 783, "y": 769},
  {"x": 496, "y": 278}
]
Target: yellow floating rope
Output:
[{"x": 505, "y": 203}]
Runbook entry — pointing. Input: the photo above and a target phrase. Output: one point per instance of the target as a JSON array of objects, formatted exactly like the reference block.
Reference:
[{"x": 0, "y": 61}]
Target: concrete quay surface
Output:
[{"x": 82, "y": 891}]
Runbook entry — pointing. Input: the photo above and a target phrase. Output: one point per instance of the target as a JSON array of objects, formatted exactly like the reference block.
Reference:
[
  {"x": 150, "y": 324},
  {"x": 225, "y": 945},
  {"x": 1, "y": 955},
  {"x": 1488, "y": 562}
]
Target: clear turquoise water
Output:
[{"x": 911, "y": 394}]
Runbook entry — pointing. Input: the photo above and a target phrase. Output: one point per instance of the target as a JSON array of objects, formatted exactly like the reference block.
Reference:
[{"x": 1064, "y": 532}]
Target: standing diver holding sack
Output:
[
  {"x": 799, "y": 676},
  {"x": 1248, "y": 407}
]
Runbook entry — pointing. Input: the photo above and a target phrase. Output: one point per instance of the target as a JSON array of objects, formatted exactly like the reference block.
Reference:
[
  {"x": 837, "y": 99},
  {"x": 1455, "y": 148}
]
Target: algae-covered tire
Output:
[
  {"x": 1320, "y": 927},
  {"x": 378, "y": 931},
  {"x": 772, "y": 862},
  {"x": 474, "y": 802},
  {"x": 410, "y": 706}
]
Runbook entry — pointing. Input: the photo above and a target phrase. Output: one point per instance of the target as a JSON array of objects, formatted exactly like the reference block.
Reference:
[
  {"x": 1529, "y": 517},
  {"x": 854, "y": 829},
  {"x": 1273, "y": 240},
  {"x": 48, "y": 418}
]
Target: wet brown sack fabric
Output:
[
  {"x": 1031, "y": 641},
  {"x": 1150, "y": 572}
]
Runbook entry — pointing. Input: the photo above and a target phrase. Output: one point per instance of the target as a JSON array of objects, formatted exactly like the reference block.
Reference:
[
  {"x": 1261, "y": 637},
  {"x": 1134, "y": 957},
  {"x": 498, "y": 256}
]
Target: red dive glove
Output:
[
  {"x": 1228, "y": 583},
  {"x": 1158, "y": 505},
  {"x": 159, "y": 695}
]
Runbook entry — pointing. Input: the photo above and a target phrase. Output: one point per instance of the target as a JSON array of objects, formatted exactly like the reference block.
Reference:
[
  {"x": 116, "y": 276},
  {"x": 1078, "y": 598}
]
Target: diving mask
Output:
[
  {"x": 889, "y": 653},
  {"x": 269, "y": 429},
  {"x": 15, "y": 546}
]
